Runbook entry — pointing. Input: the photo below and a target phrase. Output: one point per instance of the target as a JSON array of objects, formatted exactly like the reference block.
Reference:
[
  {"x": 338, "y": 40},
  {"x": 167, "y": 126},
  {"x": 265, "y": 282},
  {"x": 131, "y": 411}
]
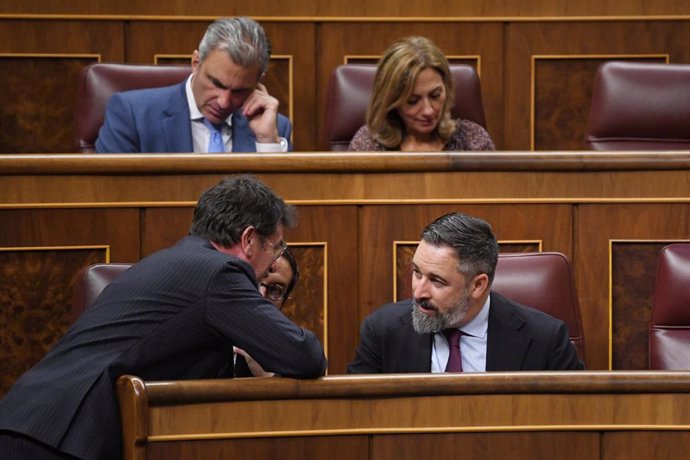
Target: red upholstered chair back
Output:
[
  {"x": 349, "y": 91},
  {"x": 669, "y": 329},
  {"x": 98, "y": 82},
  {"x": 92, "y": 280},
  {"x": 640, "y": 106},
  {"x": 542, "y": 280}
]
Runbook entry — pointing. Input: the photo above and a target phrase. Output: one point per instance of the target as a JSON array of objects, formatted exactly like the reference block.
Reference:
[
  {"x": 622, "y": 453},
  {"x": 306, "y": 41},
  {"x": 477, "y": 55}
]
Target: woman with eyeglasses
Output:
[{"x": 276, "y": 286}]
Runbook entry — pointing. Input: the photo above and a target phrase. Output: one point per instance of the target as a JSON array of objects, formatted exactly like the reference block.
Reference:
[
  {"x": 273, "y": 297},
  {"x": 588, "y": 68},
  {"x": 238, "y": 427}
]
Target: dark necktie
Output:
[
  {"x": 215, "y": 142},
  {"x": 454, "y": 358}
]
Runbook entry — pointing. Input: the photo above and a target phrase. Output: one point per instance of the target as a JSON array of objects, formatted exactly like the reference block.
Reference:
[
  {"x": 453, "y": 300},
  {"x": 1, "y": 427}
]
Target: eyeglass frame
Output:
[{"x": 274, "y": 286}]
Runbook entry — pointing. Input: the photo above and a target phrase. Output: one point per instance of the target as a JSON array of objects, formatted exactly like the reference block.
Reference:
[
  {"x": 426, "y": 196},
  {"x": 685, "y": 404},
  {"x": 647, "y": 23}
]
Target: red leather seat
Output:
[
  {"x": 640, "y": 106},
  {"x": 542, "y": 280},
  {"x": 669, "y": 329},
  {"x": 349, "y": 91},
  {"x": 92, "y": 280},
  {"x": 98, "y": 82}
]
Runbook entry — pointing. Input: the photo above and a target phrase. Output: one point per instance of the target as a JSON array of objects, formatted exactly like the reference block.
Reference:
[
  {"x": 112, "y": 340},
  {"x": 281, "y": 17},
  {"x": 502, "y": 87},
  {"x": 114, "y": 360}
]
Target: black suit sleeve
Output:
[
  {"x": 236, "y": 312},
  {"x": 368, "y": 358},
  {"x": 562, "y": 354}
]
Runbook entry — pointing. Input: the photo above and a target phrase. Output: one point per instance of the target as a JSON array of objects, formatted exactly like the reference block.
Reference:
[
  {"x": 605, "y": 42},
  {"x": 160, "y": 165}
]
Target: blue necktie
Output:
[{"x": 215, "y": 142}]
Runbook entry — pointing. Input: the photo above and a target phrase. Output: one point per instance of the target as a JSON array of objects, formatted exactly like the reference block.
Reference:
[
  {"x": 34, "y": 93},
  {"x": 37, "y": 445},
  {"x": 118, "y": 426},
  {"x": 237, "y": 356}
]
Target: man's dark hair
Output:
[
  {"x": 225, "y": 210},
  {"x": 472, "y": 240},
  {"x": 290, "y": 257}
]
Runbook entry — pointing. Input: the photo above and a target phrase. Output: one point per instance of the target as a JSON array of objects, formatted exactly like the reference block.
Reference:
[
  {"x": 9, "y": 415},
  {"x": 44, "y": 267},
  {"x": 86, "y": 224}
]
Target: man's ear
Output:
[
  {"x": 479, "y": 286},
  {"x": 196, "y": 60},
  {"x": 247, "y": 241}
]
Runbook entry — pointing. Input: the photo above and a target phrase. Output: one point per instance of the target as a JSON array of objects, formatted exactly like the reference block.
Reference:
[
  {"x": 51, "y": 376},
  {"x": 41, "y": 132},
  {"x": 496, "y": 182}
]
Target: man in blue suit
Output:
[{"x": 221, "y": 107}]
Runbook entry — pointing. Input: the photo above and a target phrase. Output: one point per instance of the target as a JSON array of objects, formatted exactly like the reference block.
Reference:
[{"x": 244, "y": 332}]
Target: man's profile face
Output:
[
  {"x": 440, "y": 292},
  {"x": 278, "y": 279},
  {"x": 220, "y": 86}
]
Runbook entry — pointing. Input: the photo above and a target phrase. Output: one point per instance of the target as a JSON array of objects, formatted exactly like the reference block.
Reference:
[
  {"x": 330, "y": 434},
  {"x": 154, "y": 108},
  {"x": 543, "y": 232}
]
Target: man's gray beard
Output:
[{"x": 430, "y": 324}]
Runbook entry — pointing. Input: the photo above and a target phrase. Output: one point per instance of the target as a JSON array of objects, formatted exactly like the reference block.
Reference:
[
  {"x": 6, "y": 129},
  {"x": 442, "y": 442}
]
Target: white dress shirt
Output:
[
  {"x": 472, "y": 344},
  {"x": 201, "y": 134}
]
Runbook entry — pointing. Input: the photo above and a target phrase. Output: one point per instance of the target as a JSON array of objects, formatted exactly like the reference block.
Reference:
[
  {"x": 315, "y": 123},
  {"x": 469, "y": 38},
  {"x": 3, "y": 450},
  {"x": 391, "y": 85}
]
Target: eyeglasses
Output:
[
  {"x": 279, "y": 249},
  {"x": 274, "y": 291}
]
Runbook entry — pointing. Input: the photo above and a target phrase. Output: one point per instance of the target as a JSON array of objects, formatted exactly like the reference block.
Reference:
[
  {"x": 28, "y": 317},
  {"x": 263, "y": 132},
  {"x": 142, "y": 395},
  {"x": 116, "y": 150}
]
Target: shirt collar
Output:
[{"x": 479, "y": 326}]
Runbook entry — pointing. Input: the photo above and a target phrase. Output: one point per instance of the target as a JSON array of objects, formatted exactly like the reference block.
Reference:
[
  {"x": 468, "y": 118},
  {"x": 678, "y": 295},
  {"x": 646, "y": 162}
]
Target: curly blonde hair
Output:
[{"x": 394, "y": 82}]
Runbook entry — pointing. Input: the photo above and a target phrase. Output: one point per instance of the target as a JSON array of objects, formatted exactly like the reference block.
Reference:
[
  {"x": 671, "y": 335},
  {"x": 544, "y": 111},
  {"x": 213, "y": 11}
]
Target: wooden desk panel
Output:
[{"x": 404, "y": 415}]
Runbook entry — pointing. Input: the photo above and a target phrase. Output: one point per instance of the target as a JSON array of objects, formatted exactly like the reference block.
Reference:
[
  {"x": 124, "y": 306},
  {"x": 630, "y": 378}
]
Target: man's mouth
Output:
[{"x": 425, "y": 306}]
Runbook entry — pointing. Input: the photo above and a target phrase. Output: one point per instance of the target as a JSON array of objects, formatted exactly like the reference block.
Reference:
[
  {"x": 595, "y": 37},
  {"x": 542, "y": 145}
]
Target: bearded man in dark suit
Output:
[{"x": 453, "y": 268}]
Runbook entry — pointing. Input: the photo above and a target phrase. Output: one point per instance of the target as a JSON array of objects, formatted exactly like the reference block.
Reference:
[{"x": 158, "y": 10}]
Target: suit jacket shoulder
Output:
[
  {"x": 154, "y": 120},
  {"x": 523, "y": 338},
  {"x": 389, "y": 344}
]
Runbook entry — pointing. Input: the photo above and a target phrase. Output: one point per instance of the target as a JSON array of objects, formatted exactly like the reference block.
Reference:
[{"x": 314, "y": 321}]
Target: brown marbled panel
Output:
[
  {"x": 404, "y": 252},
  {"x": 563, "y": 94},
  {"x": 570, "y": 51},
  {"x": 306, "y": 305},
  {"x": 633, "y": 267},
  {"x": 36, "y": 291},
  {"x": 36, "y": 105}
]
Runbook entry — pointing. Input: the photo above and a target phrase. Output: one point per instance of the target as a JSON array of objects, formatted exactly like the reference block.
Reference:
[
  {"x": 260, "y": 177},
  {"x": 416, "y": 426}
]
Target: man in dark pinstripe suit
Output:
[{"x": 174, "y": 315}]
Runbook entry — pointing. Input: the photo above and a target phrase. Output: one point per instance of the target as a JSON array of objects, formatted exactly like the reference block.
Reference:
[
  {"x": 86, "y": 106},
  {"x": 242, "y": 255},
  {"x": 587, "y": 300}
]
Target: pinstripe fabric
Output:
[{"x": 175, "y": 315}]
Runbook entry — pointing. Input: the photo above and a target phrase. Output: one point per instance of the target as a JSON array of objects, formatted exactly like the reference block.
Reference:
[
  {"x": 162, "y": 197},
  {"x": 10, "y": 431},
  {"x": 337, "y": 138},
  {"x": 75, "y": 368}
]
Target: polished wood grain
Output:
[
  {"x": 528, "y": 446},
  {"x": 597, "y": 225},
  {"x": 411, "y": 415},
  {"x": 359, "y": 8}
]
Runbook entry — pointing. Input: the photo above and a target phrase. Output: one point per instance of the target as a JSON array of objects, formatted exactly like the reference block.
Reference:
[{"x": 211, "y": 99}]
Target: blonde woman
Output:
[{"x": 410, "y": 105}]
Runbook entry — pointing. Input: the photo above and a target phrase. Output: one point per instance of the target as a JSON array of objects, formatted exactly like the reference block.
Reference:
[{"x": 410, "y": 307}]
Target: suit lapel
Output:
[
  {"x": 414, "y": 353},
  {"x": 243, "y": 138},
  {"x": 507, "y": 346},
  {"x": 176, "y": 122}
]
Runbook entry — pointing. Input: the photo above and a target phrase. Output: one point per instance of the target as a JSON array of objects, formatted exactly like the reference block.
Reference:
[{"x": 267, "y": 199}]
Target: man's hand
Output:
[
  {"x": 261, "y": 109},
  {"x": 254, "y": 367}
]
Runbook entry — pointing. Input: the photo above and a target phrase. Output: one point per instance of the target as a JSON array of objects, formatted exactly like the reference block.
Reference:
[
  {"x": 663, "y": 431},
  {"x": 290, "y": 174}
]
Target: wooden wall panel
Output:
[
  {"x": 381, "y": 226},
  {"x": 563, "y": 91},
  {"x": 36, "y": 292},
  {"x": 337, "y": 228},
  {"x": 38, "y": 84},
  {"x": 362, "y": 8},
  {"x": 41, "y": 253},
  {"x": 646, "y": 445},
  {"x": 596, "y": 226},
  {"x": 297, "y": 448},
  {"x": 338, "y": 40},
  {"x": 475, "y": 446},
  {"x": 568, "y": 40}
]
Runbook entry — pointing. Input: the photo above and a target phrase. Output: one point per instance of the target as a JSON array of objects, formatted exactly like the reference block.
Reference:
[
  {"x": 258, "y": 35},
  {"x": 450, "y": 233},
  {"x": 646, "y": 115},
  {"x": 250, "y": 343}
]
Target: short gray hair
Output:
[
  {"x": 472, "y": 240},
  {"x": 242, "y": 38}
]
